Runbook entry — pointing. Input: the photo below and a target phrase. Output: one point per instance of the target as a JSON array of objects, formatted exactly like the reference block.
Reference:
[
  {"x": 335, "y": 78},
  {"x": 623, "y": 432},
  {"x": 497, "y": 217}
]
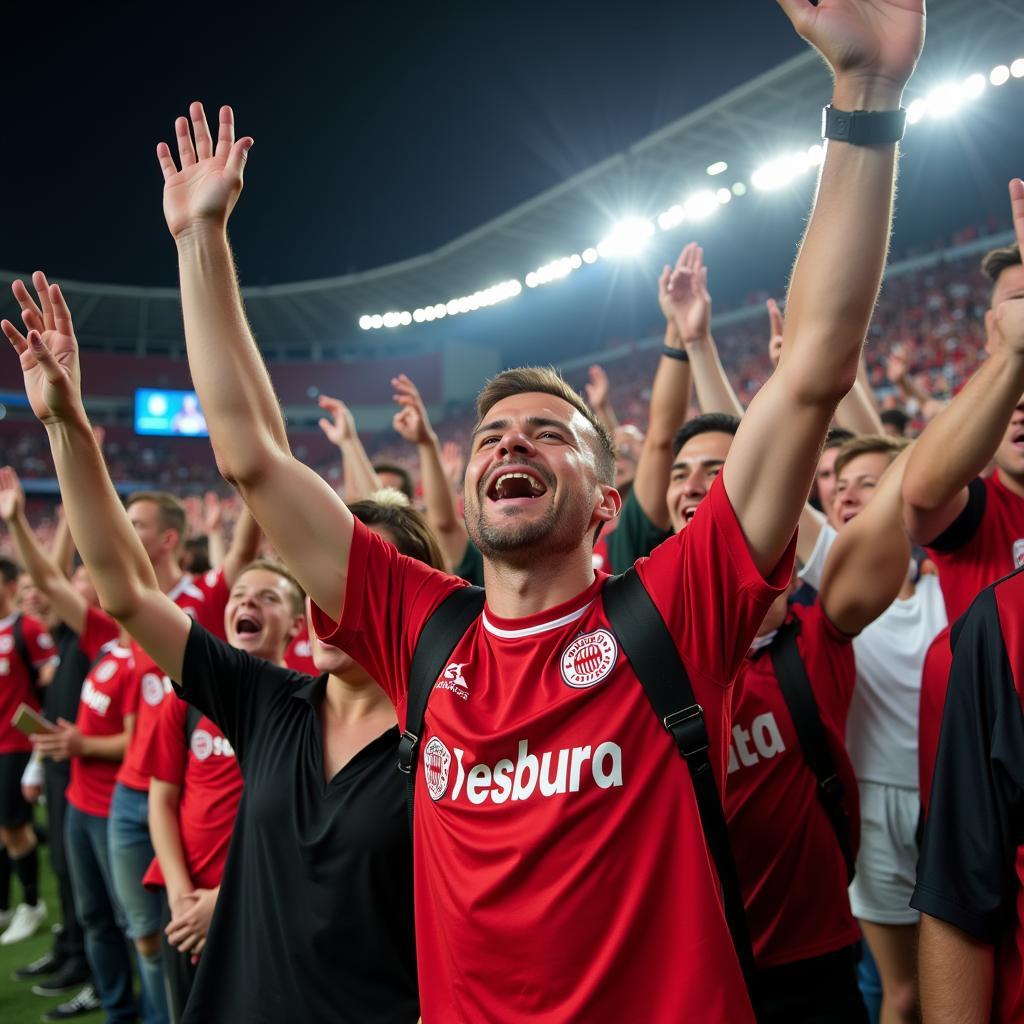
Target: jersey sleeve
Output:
[
  {"x": 230, "y": 686},
  {"x": 828, "y": 655},
  {"x": 812, "y": 572},
  {"x": 38, "y": 641},
  {"x": 964, "y": 528},
  {"x": 215, "y": 600},
  {"x": 388, "y": 598},
  {"x": 708, "y": 590},
  {"x": 635, "y": 535},
  {"x": 166, "y": 757},
  {"x": 99, "y": 629},
  {"x": 966, "y": 871}
]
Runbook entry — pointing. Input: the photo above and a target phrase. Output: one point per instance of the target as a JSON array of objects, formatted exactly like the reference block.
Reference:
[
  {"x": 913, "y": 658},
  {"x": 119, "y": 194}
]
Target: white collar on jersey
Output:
[
  {"x": 9, "y": 621},
  {"x": 759, "y": 643},
  {"x": 184, "y": 586},
  {"x": 544, "y": 627}
]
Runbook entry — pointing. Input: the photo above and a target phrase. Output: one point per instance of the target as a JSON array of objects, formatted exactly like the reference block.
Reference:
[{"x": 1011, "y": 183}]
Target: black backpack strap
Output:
[
  {"x": 652, "y": 652},
  {"x": 192, "y": 716},
  {"x": 803, "y": 710},
  {"x": 18, "y": 633},
  {"x": 441, "y": 633}
]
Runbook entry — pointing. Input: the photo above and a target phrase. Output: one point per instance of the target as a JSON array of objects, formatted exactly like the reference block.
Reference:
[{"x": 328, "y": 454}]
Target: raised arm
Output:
[
  {"x": 213, "y": 527},
  {"x": 302, "y": 516},
  {"x": 361, "y": 478},
  {"x": 960, "y": 442},
  {"x": 872, "y": 49},
  {"x": 868, "y": 563},
  {"x": 67, "y": 603},
  {"x": 413, "y": 424},
  {"x": 244, "y": 546},
  {"x": 62, "y": 547},
  {"x": 686, "y": 302},
  {"x": 598, "y": 389},
  {"x": 110, "y": 548},
  {"x": 857, "y": 412}
]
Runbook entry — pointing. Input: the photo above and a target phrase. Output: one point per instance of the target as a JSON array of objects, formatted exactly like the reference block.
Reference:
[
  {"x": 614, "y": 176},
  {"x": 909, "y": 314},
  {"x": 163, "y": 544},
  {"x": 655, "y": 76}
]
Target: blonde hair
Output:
[
  {"x": 269, "y": 565},
  {"x": 869, "y": 444}
]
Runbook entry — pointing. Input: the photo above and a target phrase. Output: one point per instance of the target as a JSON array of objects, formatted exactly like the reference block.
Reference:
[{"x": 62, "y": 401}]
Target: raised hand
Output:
[
  {"x": 453, "y": 462},
  {"x": 683, "y": 294},
  {"x": 777, "y": 326},
  {"x": 896, "y": 365},
  {"x": 1009, "y": 314},
  {"x": 341, "y": 427},
  {"x": 49, "y": 352},
  {"x": 213, "y": 512},
  {"x": 411, "y": 421},
  {"x": 869, "y": 39},
  {"x": 597, "y": 387},
  {"x": 209, "y": 182},
  {"x": 12, "y": 497}
]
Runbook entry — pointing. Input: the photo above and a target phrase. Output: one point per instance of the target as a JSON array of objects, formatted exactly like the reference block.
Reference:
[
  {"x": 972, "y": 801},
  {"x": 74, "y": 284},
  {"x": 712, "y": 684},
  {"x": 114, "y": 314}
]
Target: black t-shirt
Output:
[
  {"x": 635, "y": 536},
  {"x": 314, "y": 921},
  {"x": 62, "y": 697}
]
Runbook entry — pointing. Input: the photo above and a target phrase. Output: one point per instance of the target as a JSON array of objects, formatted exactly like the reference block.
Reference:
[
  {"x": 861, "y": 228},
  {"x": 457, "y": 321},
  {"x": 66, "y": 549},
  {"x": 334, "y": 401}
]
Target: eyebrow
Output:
[
  {"x": 706, "y": 463},
  {"x": 531, "y": 421}
]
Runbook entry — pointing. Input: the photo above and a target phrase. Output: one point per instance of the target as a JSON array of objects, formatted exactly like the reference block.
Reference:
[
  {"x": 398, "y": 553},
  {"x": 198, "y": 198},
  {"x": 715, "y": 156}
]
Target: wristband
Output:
[
  {"x": 863, "y": 127},
  {"x": 676, "y": 353}
]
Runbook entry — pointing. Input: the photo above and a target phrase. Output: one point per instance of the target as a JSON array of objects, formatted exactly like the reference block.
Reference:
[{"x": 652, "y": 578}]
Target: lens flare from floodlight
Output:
[
  {"x": 531, "y": 280},
  {"x": 916, "y": 111},
  {"x": 377, "y": 321},
  {"x": 671, "y": 218},
  {"x": 366, "y": 322},
  {"x": 816, "y": 154},
  {"x": 576, "y": 261},
  {"x": 405, "y": 318},
  {"x": 973, "y": 86},
  {"x": 419, "y": 315},
  {"x": 589, "y": 255},
  {"x": 944, "y": 101},
  {"x": 701, "y": 205},
  {"x": 723, "y": 196},
  {"x": 739, "y": 188},
  {"x": 627, "y": 238},
  {"x": 1017, "y": 68},
  {"x": 718, "y": 167},
  {"x": 780, "y": 171},
  {"x": 999, "y": 75}
]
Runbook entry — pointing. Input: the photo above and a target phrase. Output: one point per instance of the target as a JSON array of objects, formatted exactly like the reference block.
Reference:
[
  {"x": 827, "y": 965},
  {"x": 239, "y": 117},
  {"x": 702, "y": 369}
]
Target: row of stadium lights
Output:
[{"x": 628, "y": 237}]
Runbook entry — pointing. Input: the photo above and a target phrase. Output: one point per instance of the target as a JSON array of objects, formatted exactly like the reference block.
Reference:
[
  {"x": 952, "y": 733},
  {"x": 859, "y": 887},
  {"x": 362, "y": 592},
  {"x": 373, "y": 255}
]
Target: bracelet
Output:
[
  {"x": 676, "y": 353},
  {"x": 863, "y": 127}
]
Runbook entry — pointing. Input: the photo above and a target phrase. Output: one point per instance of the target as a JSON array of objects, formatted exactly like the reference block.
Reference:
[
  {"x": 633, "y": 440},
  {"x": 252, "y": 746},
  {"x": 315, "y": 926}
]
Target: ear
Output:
[
  {"x": 297, "y": 626},
  {"x": 610, "y": 505}
]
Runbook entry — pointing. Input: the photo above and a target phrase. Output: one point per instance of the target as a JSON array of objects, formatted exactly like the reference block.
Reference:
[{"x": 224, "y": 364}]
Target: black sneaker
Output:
[
  {"x": 85, "y": 1002},
  {"x": 73, "y": 974},
  {"x": 47, "y": 964}
]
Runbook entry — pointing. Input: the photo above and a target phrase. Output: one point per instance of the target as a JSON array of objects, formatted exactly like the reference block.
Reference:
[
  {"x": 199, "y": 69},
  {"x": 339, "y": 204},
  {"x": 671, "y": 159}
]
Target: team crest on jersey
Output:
[
  {"x": 437, "y": 762},
  {"x": 45, "y": 641},
  {"x": 202, "y": 744},
  {"x": 1018, "y": 552},
  {"x": 6, "y": 644},
  {"x": 303, "y": 649},
  {"x": 453, "y": 680},
  {"x": 105, "y": 671},
  {"x": 589, "y": 659},
  {"x": 153, "y": 689}
]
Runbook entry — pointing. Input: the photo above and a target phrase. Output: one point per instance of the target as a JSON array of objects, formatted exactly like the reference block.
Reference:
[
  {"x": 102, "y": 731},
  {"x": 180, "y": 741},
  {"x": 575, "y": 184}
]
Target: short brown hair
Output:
[
  {"x": 269, "y": 565},
  {"x": 170, "y": 509},
  {"x": 546, "y": 380},
  {"x": 869, "y": 444},
  {"x": 995, "y": 261},
  {"x": 413, "y": 537}
]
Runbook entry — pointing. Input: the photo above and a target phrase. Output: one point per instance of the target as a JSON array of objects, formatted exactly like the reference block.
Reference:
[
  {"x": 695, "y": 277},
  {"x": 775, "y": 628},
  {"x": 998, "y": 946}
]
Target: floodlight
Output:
[
  {"x": 1017, "y": 68},
  {"x": 1000, "y": 75},
  {"x": 739, "y": 189},
  {"x": 627, "y": 238},
  {"x": 419, "y": 315},
  {"x": 944, "y": 100},
  {"x": 589, "y": 255},
  {"x": 670, "y": 218},
  {"x": 366, "y": 322},
  {"x": 377, "y": 322},
  {"x": 575, "y": 261},
  {"x": 531, "y": 280},
  {"x": 973, "y": 86},
  {"x": 405, "y": 318},
  {"x": 718, "y": 167},
  {"x": 723, "y": 196},
  {"x": 700, "y": 205},
  {"x": 916, "y": 111}
]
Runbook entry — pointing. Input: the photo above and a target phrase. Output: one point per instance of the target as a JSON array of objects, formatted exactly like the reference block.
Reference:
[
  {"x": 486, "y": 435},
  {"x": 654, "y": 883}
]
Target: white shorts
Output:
[{"x": 887, "y": 862}]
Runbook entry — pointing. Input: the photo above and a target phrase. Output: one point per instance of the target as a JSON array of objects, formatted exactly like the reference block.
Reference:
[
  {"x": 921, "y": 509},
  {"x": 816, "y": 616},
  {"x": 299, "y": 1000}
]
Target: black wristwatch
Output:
[{"x": 863, "y": 127}]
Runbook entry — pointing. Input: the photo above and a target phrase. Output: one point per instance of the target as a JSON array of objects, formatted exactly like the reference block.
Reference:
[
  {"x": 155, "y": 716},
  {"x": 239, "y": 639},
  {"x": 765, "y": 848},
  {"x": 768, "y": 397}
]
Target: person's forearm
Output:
[
  {"x": 69, "y": 606},
  {"x": 839, "y": 268},
  {"x": 62, "y": 549},
  {"x": 714, "y": 392},
  {"x": 606, "y": 414},
  {"x": 361, "y": 478},
  {"x": 166, "y": 836},
  {"x": 246, "y": 426},
  {"x": 106, "y": 748},
  {"x": 670, "y": 398},
  {"x": 959, "y": 443},
  {"x": 442, "y": 510},
  {"x": 956, "y": 974},
  {"x": 108, "y": 544},
  {"x": 857, "y": 412},
  {"x": 216, "y": 547},
  {"x": 911, "y": 389},
  {"x": 245, "y": 546}
]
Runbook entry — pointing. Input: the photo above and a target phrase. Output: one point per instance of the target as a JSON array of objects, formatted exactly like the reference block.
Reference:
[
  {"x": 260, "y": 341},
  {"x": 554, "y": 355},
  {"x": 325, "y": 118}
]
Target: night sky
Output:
[{"x": 382, "y": 130}]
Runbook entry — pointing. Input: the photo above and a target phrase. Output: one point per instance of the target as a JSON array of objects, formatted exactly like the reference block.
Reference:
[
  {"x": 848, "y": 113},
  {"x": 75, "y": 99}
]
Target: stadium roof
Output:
[{"x": 774, "y": 113}]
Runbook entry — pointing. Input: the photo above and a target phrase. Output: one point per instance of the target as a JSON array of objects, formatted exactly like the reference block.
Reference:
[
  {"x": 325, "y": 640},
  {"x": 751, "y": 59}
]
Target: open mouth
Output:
[
  {"x": 246, "y": 625},
  {"x": 515, "y": 485},
  {"x": 850, "y": 513}
]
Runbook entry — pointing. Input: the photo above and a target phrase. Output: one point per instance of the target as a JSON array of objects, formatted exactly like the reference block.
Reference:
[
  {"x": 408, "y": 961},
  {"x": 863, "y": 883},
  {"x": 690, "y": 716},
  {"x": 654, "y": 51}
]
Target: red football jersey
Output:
[
  {"x": 299, "y": 656},
  {"x": 980, "y": 550},
  {"x": 107, "y": 696},
  {"x": 934, "y": 683},
  {"x": 211, "y": 786},
  {"x": 559, "y": 853},
  {"x": 204, "y": 600},
  {"x": 15, "y": 683},
  {"x": 790, "y": 864}
]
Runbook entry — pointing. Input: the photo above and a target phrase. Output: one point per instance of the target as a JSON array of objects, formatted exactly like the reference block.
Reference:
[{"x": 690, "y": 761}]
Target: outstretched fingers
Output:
[
  {"x": 775, "y": 317},
  {"x": 166, "y": 161},
  {"x": 201, "y": 130},
  {"x": 44, "y": 357},
  {"x": 61, "y": 314},
  {"x": 1017, "y": 207},
  {"x": 18, "y": 340},
  {"x": 186, "y": 151},
  {"x": 237, "y": 157},
  {"x": 30, "y": 312},
  {"x": 225, "y": 132}
]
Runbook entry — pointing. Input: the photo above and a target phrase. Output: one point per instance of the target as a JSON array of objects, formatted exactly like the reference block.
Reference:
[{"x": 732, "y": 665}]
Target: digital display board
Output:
[{"x": 169, "y": 413}]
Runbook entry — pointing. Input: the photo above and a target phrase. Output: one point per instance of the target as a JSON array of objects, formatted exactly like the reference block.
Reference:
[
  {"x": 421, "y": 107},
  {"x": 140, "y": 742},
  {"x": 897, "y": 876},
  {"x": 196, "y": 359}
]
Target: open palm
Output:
[
  {"x": 209, "y": 181},
  {"x": 683, "y": 294},
  {"x": 12, "y": 497},
  {"x": 49, "y": 352}
]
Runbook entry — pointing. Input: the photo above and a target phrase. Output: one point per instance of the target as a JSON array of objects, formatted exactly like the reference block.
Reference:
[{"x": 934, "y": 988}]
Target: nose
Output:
[
  {"x": 696, "y": 484},
  {"x": 514, "y": 442}
]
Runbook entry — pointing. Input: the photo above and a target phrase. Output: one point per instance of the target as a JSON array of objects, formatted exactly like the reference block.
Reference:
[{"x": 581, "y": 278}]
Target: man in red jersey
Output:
[
  {"x": 558, "y": 850},
  {"x": 970, "y": 885},
  {"x": 25, "y": 648}
]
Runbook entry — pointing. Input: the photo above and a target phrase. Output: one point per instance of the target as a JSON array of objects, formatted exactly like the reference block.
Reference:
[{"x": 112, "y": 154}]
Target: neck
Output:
[
  {"x": 6, "y": 608},
  {"x": 515, "y": 591},
  {"x": 352, "y": 702},
  {"x": 1013, "y": 484},
  {"x": 168, "y": 572}
]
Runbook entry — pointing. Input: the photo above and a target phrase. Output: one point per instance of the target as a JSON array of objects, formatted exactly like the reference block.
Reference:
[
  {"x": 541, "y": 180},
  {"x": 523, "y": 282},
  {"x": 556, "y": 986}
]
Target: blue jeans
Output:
[
  {"x": 106, "y": 949},
  {"x": 131, "y": 853}
]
